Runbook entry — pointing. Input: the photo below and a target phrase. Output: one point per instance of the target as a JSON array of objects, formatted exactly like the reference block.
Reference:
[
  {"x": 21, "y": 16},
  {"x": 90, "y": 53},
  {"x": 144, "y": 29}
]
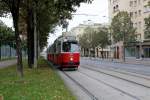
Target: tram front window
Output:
[{"x": 70, "y": 47}]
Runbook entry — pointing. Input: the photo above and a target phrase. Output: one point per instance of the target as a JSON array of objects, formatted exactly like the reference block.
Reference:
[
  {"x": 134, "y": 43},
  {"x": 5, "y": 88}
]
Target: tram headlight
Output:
[{"x": 71, "y": 59}]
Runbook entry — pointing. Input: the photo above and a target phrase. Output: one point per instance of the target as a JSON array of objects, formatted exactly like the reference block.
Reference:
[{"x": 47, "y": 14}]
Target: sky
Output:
[
  {"x": 8, "y": 21},
  {"x": 95, "y": 12}
]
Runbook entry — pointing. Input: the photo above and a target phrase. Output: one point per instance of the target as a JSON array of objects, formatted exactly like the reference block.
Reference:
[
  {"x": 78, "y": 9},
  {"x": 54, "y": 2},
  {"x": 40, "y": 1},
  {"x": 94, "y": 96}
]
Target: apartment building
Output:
[
  {"x": 138, "y": 10},
  {"x": 79, "y": 30}
]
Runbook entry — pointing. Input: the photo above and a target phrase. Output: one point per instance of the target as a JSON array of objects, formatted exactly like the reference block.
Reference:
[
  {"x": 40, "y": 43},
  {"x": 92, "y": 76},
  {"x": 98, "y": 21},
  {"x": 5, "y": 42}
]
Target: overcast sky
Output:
[
  {"x": 98, "y": 8},
  {"x": 95, "y": 12}
]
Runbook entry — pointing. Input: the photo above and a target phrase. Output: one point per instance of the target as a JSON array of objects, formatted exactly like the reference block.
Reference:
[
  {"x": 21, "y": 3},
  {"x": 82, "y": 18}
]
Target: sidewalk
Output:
[
  {"x": 134, "y": 61},
  {"x": 7, "y": 63}
]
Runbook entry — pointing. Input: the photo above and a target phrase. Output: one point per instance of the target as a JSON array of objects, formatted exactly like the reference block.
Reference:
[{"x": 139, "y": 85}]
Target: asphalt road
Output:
[
  {"x": 96, "y": 80},
  {"x": 139, "y": 69},
  {"x": 7, "y": 63}
]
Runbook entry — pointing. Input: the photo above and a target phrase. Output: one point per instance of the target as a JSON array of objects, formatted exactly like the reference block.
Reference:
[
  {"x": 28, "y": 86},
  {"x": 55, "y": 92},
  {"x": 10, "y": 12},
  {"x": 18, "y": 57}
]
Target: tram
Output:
[{"x": 64, "y": 52}]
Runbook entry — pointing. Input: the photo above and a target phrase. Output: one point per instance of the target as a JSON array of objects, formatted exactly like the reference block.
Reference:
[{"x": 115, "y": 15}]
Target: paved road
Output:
[
  {"x": 145, "y": 61},
  {"x": 140, "y": 69},
  {"x": 93, "y": 82},
  {"x": 7, "y": 63}
]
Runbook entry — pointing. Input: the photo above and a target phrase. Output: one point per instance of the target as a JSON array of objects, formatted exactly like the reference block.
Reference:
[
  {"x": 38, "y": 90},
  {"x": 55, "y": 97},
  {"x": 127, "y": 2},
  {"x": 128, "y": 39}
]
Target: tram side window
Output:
[{"x": 59, "y": 47}]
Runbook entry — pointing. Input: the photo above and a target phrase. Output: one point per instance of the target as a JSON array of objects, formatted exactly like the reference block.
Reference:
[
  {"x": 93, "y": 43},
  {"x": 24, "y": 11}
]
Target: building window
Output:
[
  {"x": 116, "y": 8},
  {"x": 146, "y": 9},
  {"x": 132, "y": 23},
  {"x": 135, "y": 14},
  {"x": 147, "y": 52},
  {"x": 138, "y": 37},
  {"x": 110, "y": 1},
  {"x": 131, "y": 14},
  {"x": 139, "y": 2},
  {"x": 135, "y": 3},
  {"x": 139, "y": 25},
  {"x": 146, "y": 35},
  {"x": 115, "y": 1},
  {"x": 139, "y": 12},
  {"x": 135, "y": 25},
  {"x": 131, "y": 3}
]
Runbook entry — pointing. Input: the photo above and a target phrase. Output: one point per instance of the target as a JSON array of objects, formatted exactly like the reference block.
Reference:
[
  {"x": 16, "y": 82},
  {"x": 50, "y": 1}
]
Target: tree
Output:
[
  {"x": 122, "y": 29},
  {"x": 92, "y": 38},
  {"x": 102, "y": 38},
  {"x": 7, "y": 36},
  {"x": 84, "y": 43},
  {"x": 12, "y": 6},
  {"x": 86, "y": 40}
]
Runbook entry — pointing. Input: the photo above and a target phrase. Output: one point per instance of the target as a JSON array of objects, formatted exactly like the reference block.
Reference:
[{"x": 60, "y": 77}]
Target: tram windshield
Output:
[{"x": 70, "y": 47}]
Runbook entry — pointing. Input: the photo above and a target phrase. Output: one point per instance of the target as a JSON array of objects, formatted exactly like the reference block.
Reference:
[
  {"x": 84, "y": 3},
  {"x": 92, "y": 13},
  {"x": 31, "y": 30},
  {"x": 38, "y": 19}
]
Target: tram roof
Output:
[{"x": 66, "y": 38}]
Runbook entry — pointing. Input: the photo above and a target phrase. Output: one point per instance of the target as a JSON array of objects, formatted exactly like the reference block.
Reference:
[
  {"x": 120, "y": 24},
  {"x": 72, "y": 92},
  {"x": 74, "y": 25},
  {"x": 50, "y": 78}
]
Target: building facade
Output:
[{"x": 138, "y": 11}]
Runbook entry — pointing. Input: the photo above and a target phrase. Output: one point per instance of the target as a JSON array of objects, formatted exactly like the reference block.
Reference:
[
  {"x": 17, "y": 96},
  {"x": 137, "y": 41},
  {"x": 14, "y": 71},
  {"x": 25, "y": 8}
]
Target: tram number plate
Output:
[{"x": 71, "y": 63}]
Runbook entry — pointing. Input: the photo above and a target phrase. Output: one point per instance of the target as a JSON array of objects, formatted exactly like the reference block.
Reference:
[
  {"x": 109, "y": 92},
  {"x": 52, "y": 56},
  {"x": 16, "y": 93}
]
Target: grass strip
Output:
[{"x": 37, "y": 84}]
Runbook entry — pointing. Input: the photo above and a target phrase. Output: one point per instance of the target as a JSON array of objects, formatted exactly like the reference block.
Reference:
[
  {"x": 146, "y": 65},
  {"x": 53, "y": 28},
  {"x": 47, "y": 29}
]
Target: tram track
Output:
[
  {"x": 109, "y": 85},
  {"x": 119, "y": 77},
  {"x": 91, "y": 95}
]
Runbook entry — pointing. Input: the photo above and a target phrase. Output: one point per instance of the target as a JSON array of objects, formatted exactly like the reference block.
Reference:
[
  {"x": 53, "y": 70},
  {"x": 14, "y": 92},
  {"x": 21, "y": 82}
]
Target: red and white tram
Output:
[{"x": 64, "y": 52}]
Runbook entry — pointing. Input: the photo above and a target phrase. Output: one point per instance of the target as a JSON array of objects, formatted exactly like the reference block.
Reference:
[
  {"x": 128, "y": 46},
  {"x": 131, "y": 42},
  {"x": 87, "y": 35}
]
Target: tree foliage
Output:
[
  {"x": 49, "y": 14},
  {"x": 92, "y": 38},
  {"x": 122, "y": 28},
  {"x": 102, "y": 37},
  {"x": 87, "y": 38},
  {"x": 7, "y": 35}
]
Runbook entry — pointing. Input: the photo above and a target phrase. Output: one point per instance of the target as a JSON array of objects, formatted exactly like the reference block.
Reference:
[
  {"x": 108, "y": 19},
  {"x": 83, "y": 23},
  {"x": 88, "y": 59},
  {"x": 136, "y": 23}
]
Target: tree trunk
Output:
[
  {"x": 0, "y": 49},
  {"x": 38, "y": 44},
  {"x": 9, "y": 51},
  {"x": 97, "y": 52},
  {"x": 102, "y": 54},
  {"x": 15, "y": 16},
  {"x": 30, "y": 37}
]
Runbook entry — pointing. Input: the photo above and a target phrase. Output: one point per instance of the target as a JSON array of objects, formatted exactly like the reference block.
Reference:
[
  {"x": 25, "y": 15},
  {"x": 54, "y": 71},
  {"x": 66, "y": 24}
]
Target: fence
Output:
[{"x": 9, "y": 52}]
